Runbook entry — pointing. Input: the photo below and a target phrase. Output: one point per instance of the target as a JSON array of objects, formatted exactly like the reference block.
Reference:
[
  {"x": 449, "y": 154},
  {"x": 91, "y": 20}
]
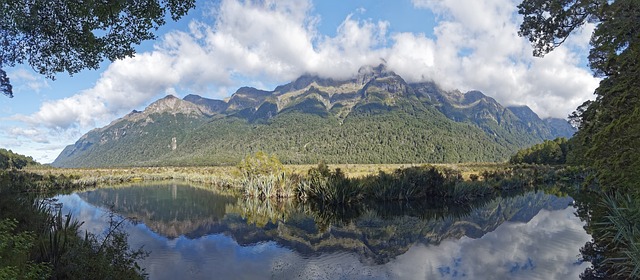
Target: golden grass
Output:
[
  {"x": 130, "y": 174},
  {"x": 361, "y": 170}
]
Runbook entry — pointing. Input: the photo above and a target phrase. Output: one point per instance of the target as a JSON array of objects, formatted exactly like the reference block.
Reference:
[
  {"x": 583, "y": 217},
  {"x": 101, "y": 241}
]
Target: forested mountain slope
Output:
[{"x": 376, "y": 117}]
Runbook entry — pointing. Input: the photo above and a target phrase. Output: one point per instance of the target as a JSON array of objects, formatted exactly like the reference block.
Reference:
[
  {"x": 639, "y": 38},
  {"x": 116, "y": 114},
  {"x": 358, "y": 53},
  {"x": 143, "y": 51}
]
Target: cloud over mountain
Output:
[{"x": 264, "y": 43}]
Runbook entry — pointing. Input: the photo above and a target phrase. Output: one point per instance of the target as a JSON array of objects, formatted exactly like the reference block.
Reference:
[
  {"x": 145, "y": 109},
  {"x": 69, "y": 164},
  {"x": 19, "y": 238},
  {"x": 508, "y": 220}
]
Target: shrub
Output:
[{"x": 260, "y": 164}]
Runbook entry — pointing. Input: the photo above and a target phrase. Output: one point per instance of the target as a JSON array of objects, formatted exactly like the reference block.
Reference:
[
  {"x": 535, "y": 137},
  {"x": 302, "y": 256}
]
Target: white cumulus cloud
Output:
[{"x": 474, "y": 46}]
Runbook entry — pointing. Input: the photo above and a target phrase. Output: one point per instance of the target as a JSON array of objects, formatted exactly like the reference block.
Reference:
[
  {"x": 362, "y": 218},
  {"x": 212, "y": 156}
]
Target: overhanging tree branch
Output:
[{"x": 54, "y": 36}]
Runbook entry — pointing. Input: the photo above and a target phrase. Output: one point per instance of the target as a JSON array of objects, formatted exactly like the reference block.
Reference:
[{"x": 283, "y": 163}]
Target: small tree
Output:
[{"x": 259, "y": 164}]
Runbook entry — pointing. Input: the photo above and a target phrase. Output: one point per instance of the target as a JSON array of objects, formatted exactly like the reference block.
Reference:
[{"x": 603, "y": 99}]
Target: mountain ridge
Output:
[{"x": 375, "y": 117}]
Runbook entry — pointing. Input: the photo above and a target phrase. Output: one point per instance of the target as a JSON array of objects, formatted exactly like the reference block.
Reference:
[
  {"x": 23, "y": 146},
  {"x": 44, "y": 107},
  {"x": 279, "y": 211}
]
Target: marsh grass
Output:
[
  {"x": 386, "y": 186},
  {"x": 228, "y": 175},
  {"x": 218, "y": 176},
  {"x": 268, "y": 186},
  {"x": 262, "y": 176},
  {"x": 330, "y": 188}
]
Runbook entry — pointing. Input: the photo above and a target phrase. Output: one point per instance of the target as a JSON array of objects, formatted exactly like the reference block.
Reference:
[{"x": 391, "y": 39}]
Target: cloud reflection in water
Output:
[{"x": 546, "y": 247}]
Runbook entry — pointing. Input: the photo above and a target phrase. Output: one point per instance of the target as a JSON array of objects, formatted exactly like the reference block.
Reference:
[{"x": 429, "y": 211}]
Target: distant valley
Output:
[{"x": 376, "y": 117}]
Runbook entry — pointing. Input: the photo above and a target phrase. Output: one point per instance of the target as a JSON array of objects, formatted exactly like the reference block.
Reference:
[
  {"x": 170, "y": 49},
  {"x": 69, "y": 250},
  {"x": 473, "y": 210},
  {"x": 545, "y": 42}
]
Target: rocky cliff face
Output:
[
  {"x": 173, "y": 105},
  {"x": 215, "y": 106},
  {"x": 495, "y": 119},
  {"x": 247, "y": 97}
]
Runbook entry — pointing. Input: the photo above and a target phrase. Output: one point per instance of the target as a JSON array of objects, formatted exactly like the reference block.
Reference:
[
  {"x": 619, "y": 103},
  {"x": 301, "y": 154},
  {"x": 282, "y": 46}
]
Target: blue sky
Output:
[{"x": 223, "y": 45}]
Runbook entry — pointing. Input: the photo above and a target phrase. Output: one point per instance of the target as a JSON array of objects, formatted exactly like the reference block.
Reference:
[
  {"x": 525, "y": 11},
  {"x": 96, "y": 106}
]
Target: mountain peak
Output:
[
  {"x": 380, "y": 69},
  {"x": 524, "y": 113},
  {"x": 173, "y": 105},
  {"x": 213, "y": 105},
  {"x": 368, "y": 73},
  {"x": 191, "y": 97},
  {"x": 247, "y": 97},
  {"x": 169, "y": 97}
]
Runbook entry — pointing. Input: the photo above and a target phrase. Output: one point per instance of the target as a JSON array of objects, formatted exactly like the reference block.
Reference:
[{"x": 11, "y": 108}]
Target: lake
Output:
[{"x": 195, "y": 233}]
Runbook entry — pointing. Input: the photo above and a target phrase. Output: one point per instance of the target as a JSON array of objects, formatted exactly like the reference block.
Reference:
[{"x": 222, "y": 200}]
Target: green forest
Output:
[
  {"x": 373, "y": 133},
  {"x": 11, "y": 160},
  {"x": 548, "y": 152}
]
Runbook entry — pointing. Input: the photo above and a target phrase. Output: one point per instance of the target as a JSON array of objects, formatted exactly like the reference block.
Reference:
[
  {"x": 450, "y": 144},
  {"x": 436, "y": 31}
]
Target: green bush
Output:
[
  {"x": 15, "y": 248},
  {"x": 260, "y": 164},
  {"x": 332, "y": 188}
]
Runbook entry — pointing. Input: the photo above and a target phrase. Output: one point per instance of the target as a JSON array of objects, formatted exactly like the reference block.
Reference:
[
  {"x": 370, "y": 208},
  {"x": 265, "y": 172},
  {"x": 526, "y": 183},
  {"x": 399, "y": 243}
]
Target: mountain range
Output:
[{"x": 375, "y": 117}]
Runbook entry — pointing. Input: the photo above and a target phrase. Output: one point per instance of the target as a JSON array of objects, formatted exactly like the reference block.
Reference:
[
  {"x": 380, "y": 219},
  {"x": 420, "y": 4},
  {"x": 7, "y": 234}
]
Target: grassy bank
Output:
[
  {"x": 335, "y": 184},
  {"x": 90, "y": 176}
]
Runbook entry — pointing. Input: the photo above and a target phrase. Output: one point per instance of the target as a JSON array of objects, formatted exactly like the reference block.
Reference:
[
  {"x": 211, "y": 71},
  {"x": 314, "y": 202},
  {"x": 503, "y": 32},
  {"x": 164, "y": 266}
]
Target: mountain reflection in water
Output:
[{"x": 199, "y": 234}]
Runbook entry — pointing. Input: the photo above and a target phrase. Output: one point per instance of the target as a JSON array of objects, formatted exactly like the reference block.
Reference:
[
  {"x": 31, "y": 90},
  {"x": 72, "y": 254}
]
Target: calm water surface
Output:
[{"x": 193, "y": 233}]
